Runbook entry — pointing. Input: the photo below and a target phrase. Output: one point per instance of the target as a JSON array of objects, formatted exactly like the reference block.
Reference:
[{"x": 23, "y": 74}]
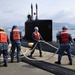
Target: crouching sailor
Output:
[
  {"x": 65, "y": 41},
  {"x": 4, "y": 46},
  {"x": 36, "y": 38}
]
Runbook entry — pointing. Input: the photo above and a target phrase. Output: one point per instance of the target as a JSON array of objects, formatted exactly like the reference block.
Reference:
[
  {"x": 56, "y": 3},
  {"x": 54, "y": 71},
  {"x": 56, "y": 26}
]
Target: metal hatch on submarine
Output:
[{"x": 45, "y": 26}]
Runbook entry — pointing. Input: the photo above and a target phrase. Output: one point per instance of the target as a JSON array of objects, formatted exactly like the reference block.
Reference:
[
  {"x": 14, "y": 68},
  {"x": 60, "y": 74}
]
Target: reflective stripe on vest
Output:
[
  {"x": 3, "y": 36},
  {"x": 16, "y": 34},
  {"x": 64, "y": 37},
  {"x": 36, "y": 35}
]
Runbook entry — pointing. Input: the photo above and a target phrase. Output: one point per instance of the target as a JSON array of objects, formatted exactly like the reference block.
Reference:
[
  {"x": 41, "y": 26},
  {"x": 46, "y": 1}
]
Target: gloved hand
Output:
[
  {"x": 72, "y": 44},
  {"x": 39, "y": 40}
]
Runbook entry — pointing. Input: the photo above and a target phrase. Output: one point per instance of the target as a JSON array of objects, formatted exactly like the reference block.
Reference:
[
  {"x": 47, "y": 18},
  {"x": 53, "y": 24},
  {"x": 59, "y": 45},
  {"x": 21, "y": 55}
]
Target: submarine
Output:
[{"x": 44, "y": 25}]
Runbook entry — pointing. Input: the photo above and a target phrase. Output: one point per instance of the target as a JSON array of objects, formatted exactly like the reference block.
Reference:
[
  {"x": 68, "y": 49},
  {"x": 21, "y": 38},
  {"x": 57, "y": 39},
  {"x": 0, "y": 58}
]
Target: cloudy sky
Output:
[{"x": 14, "y": 12}]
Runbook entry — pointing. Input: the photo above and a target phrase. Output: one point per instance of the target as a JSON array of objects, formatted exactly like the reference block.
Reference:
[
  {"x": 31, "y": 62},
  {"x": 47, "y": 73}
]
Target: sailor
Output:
[
  {"x": 15, "y": 37},
  {"x": 4, "y": 41},
  {"x": 36, "y": 38},
  {"x": 65, "y": 41}
]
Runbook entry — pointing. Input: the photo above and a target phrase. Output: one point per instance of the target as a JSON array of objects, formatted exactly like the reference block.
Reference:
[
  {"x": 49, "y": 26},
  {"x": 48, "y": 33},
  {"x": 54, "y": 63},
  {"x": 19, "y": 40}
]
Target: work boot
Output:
[
  {"x": 70, "y": 63},
  {"x": 5, "y": 65},
  {"x": 40, "y": 55},
  {"x": 11, "y": 61},
  {"x": 58, "y": 62}
]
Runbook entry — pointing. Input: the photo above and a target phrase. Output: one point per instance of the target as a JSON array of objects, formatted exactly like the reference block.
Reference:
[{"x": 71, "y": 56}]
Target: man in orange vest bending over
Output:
[
  {"x": 36, "y": 37},
  {"x": 15, "y": 37},
  {"x": 65, "y": 41},
  {"x": 4, "y": 46}
]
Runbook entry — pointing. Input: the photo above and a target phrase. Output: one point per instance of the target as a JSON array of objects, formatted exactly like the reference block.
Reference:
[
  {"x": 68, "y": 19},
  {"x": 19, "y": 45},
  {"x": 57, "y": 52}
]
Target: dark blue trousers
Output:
[{"x": 65, "y": 47}]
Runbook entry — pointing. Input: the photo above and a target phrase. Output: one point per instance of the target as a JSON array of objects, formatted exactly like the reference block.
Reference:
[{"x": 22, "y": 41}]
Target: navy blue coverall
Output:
[
  {"x": 39, "y": 44},
  {"x": 4, "y": 51},
  {"x": 15, "y": 44},
  {"x": 66, "y": 46}
]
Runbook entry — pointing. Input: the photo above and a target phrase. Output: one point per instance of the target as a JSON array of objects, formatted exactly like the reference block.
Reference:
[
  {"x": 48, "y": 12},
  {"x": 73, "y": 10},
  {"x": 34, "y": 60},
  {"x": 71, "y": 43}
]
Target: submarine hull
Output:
[{"x": 45, "y": 29}]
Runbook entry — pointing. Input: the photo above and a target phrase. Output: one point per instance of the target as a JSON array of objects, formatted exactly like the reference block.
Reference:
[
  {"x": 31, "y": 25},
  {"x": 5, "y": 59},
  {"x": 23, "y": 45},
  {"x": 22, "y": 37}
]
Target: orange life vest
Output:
[
  {"x": 64, "y": 37},
  {"x": 3, "y": 36},
  {"x": 36, "y": 35},
  {"x": 16, "y": 34}
]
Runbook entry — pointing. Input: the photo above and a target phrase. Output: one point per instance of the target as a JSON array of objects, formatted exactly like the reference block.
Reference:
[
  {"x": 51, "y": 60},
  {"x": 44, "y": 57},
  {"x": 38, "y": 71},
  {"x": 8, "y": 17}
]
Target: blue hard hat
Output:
[
  {"x": 36, "y": 28},
  {"x": 65, "y": 27},
  {"x": 14, "y": 26}
]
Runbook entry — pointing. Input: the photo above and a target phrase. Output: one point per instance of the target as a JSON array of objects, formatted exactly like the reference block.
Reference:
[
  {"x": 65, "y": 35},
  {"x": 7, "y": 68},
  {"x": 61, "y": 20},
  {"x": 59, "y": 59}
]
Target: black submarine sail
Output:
[{"x": 45, "y": 26}]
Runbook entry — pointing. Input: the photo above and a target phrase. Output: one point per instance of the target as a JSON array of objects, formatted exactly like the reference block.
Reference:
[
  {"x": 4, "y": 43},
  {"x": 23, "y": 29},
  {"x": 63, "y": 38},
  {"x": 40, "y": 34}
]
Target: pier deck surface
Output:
[
  {"x": 22, "y": 69},
  {"x": 46, "y": 63}
]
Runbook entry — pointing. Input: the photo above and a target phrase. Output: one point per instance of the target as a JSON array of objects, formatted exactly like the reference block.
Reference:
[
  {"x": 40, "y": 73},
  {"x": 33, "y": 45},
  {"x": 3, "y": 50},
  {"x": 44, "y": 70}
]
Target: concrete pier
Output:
[
  {"x": 47, "y": 62},
  {"x": 40, "y": 65},
  {"x": 22, "y": 69}
]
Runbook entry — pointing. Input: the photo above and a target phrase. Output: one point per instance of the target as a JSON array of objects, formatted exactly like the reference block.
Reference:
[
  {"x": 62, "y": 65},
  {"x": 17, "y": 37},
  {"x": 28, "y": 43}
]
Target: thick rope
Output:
[
  {"x": 45, "y": 58},
  {"x": 49, "y": 57}
]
